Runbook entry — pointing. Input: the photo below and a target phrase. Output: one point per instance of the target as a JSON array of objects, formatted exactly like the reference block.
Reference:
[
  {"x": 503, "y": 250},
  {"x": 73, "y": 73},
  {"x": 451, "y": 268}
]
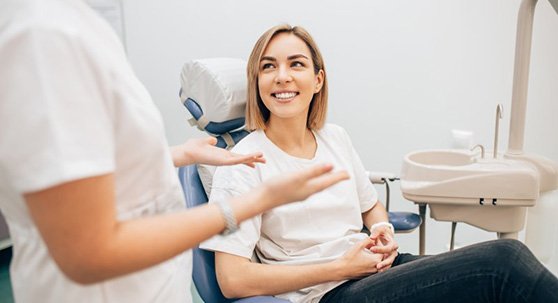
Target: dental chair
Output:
[
  {"x": 203, "y": 272},
  {"x": 214, "y": 93}
]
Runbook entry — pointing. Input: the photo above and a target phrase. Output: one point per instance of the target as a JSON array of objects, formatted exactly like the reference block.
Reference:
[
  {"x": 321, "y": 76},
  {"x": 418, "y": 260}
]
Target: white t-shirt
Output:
[
  {"x": 71, "y": 108},
  {"x": 317, "y": 230}
]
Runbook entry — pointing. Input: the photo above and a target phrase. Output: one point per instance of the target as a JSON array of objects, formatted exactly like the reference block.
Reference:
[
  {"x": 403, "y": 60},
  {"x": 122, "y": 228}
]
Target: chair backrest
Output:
[
  {"x": 214, "y": 93},
  {"x": 203, "y": 272}
]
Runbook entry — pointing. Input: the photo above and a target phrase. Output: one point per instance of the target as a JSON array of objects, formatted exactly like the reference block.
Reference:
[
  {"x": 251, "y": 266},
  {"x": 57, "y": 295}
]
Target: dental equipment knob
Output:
[
  {"x": 481, "y": 148},
  {"x": 499, "y": 113}
]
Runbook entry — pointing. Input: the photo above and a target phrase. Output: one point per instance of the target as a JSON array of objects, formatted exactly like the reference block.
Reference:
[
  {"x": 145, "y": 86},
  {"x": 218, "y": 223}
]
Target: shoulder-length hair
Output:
[{"x": 257, "y": 114}]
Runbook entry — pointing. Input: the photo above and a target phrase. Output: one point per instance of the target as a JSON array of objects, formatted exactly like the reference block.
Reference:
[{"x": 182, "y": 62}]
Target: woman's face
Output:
[{"x": 286, "y": 78}]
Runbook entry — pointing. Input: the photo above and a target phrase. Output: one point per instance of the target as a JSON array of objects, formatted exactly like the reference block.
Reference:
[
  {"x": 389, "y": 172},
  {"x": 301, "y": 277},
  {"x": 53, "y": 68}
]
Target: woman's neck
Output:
[{"x": 292, "y": 136}]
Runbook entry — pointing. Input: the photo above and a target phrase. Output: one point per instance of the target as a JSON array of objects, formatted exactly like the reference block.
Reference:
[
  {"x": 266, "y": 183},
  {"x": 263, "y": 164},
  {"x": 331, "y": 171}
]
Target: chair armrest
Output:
[{"x": 377, "y": 177}]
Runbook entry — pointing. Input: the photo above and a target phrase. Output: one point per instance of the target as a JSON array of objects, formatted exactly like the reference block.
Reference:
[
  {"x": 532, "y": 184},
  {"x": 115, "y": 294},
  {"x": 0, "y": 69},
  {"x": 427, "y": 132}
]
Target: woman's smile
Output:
[{"x": 284, "y": 96}]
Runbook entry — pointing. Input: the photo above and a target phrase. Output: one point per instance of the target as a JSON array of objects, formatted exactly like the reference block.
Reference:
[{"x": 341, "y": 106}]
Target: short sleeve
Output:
[
  {"x": 367, "y": 194},
  {"x": 228, "y": 182},
  {"x": 55, "y": 124}
]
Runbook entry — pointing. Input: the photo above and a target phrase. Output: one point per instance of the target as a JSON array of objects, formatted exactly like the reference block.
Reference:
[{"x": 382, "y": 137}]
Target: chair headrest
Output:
[{"x": 214, "y": 92}]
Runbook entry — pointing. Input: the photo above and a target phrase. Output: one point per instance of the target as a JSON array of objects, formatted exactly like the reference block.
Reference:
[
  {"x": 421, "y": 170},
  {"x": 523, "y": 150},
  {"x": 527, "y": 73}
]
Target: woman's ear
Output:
[{"x": 319, "y": 81}]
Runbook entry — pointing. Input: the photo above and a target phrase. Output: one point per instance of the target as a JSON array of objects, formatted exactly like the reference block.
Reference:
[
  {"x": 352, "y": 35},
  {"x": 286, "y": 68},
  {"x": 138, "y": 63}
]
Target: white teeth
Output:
[{"x": 285, "y": 95}]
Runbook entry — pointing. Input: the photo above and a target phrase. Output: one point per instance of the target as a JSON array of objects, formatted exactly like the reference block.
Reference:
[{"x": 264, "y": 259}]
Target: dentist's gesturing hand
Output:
[
  {"x": 204, "y": 151},
  {"x": 299, "y": 185}
]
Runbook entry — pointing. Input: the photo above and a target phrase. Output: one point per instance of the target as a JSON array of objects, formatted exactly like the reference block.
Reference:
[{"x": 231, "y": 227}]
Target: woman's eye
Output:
[
  {"x": 267, "y": 66},
  {"x": 297, "y": 64}
]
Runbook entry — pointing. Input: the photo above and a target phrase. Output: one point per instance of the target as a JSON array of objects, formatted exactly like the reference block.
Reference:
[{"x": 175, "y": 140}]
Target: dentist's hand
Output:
[
  {"x": 204, "y": 151},
  {"x": 299, "y": 185},
  {"x": 386, "y": 245},
  {"x": 358, "y": 262}
]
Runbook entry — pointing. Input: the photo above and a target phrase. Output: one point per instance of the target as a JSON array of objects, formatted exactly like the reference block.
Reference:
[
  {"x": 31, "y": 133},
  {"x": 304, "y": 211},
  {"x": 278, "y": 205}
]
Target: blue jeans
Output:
[{"x": 494, "y": 271}]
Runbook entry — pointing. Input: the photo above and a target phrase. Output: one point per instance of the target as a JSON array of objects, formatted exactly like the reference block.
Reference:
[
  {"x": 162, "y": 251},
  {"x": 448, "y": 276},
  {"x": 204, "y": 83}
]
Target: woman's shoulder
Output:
[{"x": 250, "y": 143}]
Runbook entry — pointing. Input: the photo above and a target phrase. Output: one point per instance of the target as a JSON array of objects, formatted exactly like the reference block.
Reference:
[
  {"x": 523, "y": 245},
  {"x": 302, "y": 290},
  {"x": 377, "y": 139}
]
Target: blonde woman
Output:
[{"x": 313, "y": 250}]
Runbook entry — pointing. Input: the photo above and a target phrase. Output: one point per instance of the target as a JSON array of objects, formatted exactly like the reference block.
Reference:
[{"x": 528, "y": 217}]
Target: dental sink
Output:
[
  {"x": 460, "y": 186},
  {"x": 441, "y": 158}
]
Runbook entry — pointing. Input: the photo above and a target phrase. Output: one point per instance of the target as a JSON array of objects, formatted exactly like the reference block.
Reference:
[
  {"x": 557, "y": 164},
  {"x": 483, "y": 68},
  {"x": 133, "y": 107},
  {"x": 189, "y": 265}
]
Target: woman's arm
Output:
[
  {"x": 238, "y": 277},
  {"x": 374, "y": 215},
  {"x": 77, "y": 220}
]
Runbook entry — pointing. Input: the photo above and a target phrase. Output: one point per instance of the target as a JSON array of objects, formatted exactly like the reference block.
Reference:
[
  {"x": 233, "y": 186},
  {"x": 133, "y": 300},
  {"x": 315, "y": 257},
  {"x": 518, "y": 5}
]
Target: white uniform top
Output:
[
  {"x": 317, "y": 230},
  {"x": 71, "y": 108}
]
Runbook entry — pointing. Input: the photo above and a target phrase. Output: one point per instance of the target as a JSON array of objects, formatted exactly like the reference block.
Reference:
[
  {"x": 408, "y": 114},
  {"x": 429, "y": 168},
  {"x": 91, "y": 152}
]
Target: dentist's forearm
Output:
[{"x": 78, "y": 223}]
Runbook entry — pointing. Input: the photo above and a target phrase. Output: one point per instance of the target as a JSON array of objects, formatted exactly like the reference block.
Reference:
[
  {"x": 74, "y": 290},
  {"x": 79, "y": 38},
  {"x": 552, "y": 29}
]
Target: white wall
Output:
[{"x": 402, "y": 73}]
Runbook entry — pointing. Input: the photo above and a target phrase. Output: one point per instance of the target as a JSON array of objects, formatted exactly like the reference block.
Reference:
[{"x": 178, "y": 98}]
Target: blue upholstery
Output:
[
  {"x": 204, "y": 262},
  {"x": 236, "y": 136},
  {"x": 215, "y": 128},
  {"x": 232, "y": 127},
  {"x": 404, "y": 222}
]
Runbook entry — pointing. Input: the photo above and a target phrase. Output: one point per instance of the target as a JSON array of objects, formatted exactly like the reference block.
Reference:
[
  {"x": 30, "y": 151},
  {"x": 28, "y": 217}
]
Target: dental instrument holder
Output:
[{"x": 548, "y": 169}]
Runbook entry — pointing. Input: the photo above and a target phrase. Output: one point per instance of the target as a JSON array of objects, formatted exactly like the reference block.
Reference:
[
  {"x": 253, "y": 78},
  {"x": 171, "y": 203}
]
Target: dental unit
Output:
[{"x": 493, "y": 193}]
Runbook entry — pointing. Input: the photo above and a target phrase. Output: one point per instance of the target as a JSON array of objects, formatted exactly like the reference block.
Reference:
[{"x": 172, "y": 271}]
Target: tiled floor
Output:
[{"x": 5, "y": 286}]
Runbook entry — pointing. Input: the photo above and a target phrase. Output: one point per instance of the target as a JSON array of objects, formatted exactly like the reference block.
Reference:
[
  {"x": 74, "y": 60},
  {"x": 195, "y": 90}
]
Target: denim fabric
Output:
[{"x": 494, "y": 271}]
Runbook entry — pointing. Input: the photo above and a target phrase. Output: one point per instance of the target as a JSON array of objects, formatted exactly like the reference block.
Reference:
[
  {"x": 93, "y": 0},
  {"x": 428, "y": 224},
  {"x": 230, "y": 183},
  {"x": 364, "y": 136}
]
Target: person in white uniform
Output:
[
  {"x": 87, "y": 181},
  {"x": 314, "y": 250}
]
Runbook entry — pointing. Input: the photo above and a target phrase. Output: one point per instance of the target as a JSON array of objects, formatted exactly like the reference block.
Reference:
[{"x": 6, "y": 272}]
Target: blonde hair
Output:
[{"x": 257, "y": 114}]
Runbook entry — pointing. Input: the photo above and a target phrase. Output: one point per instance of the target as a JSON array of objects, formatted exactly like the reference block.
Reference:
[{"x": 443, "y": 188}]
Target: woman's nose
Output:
[{"x": 283, "y": 75}]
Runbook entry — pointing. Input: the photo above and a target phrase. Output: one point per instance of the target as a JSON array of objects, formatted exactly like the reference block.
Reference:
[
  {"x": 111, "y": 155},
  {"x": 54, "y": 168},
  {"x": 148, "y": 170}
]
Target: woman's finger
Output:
[
  {"x": 384, "y": 249},
  {"x": 386, "y": 263},
  {"x": 210, "y": 140},
  {"x": 245, "y": 159},
  {"x": 322, "y": 182},
  {"x": 357, "y": 247}
]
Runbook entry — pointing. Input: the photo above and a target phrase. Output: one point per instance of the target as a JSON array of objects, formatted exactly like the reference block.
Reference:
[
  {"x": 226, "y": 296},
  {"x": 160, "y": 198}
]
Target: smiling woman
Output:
[
  {"x": 286, "y": 80},
  {"x": 314, "y": 250},
  {"x": 285, "y": 65}
]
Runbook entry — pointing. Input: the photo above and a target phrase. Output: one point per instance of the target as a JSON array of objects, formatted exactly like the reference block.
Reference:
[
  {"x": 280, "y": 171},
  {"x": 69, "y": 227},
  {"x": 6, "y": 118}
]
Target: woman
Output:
[
  {"x": 88, "y": 186},
  {"x": 313, "y": 251}
]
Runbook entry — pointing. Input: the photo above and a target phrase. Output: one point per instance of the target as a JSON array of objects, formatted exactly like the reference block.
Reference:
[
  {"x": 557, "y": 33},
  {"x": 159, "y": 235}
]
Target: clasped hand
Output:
[
  {"x": 371, "y": 255},
  {"x": 385, "y": 244}
]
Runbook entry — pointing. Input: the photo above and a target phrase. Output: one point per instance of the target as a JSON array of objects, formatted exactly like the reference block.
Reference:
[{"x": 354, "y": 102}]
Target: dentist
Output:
[{"x": 87, "y": 180}]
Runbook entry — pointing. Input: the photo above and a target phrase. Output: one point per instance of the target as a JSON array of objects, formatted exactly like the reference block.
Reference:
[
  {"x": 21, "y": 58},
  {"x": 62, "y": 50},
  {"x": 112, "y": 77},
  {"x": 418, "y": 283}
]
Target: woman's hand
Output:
[
  {"x": 359, "y": 262},
  {"x": 299, "y": 185},
  {"x": 386, "y": 245},
  {"x": 204, "y": 151}
]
